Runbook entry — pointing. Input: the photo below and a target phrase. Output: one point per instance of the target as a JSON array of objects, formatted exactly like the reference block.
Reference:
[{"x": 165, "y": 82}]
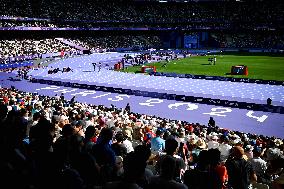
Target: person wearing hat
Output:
[
  {"x": 241, "y": 173},
  {"x": 249, "y": 151}
]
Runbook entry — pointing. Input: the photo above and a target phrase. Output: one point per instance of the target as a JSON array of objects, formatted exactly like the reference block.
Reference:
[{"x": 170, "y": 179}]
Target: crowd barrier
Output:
[
  {"x": 16, "y": 65},
  {"x": 220, "y": 78},
  {"x": 200, "y": 100}
]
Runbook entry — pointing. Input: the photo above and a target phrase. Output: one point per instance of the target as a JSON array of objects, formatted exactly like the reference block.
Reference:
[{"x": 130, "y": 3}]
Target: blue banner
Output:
[{"x": 16, "y": 65}]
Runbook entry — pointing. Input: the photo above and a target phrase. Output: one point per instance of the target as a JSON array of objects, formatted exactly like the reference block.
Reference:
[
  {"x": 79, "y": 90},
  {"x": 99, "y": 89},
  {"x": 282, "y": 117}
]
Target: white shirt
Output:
[
  {"x": 225, "y": 151},
  {"x": 213, "y": 144},
  {"x": 128, "y": 146},
  {"x": 89, "y": 123},
  {"x": 110, "y": 123}
]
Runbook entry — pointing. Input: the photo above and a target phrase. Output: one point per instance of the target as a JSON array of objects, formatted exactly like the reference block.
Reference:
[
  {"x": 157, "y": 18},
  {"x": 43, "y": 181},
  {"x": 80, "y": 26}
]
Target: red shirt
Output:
[{"x": 222, "y": 172}]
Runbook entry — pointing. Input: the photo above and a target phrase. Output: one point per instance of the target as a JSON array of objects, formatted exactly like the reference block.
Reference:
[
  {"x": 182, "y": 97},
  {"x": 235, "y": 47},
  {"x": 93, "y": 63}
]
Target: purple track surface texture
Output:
[{"x": 265, "y": 123}]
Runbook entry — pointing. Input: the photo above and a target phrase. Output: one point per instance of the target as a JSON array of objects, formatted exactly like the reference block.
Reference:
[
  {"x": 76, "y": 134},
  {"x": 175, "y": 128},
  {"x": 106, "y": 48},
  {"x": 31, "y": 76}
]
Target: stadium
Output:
[{"x": 142, "y": 94}]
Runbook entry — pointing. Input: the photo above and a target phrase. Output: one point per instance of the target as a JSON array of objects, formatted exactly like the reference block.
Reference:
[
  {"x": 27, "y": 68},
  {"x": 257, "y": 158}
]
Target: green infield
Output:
[{"x": 259, "y": 67}]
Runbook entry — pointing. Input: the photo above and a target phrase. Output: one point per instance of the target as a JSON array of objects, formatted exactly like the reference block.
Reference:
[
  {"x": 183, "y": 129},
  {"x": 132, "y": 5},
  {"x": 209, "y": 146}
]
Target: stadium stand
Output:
[
  {"x": 54, "y": 135},
  {"x": 51, "y": 142}
]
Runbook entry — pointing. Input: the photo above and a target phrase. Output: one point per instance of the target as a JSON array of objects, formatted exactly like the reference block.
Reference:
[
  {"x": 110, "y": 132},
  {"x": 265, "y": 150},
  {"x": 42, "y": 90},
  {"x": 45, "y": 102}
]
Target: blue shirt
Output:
[{"x": 157, "y": 144}]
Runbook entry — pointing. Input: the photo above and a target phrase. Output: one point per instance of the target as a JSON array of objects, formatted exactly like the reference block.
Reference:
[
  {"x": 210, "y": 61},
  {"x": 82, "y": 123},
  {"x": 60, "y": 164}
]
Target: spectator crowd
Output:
[
  {"x": 135, "y": 42},
  {"x": 18, "y": 50},
  {"x": 26, "y": 49},
  {"x": 249, "y": 40},
  {"x": 51, "y": 142},
  {"x": 254, "y": 12}
]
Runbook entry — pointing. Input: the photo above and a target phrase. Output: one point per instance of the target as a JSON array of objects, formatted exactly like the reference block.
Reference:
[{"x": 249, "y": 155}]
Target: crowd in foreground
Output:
[{"x": 50, "y": 142}]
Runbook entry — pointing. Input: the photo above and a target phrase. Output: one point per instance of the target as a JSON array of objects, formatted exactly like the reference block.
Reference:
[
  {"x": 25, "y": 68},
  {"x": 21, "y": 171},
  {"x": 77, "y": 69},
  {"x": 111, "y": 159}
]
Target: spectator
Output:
[
  {"x": 80, "y": 162},
  {"x": 201, "y": 176},
  {"x": 166, "y": 179},
  {"x": 224, "y": 147},
  {"x": 90, "y": 138},
  {"x": 240, "y": 171},
  {"x": 211, "y": 122},
  {"x": 158, "y": 143},
  {"x": 118, "y": 147},
  {"x": 104, "y": 155},
  {"x": 259, "y": 165},
  {"x": 127, "y": 141},
  {"x": 134, "y": 168},
  {"x": 171, "y": 147}
]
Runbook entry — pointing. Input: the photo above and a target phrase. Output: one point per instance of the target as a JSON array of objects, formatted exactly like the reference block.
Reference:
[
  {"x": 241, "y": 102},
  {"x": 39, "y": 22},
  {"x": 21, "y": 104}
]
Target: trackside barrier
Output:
[
  {"x": 220, "y": 78},
  {"x": 201, "y": 100}
]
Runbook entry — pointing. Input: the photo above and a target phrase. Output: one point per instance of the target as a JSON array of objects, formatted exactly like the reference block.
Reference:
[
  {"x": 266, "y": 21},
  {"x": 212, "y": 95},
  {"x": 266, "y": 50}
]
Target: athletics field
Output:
[{"x": 266, "y": 67}]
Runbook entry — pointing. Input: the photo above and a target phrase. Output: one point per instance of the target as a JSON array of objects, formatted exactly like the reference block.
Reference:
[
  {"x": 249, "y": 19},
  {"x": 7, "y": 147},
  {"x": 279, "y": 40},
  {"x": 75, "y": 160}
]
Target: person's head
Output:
[
  {"x": 119, "y": 137},
  {"x": 36, "y": 116},
  {"x": 257, "y": 152},
  {"x": 171, "y": 146},
  {"x": 106, "y": 134},
  {"x": 214, "y": 156},
  {"x": 237, "y": 152},
  {"x": 118, "y": 162},
  {"x": 127, "y": 134},
  {"x": 24, "y": 112},
  {"x": 91, "y": 117},
  {"x": 43, "y": 135},
  {"x": 159, "y": 133},
  {"x": 67, "y": 130},
  {"x": 143, "y": 151},
  {"x": 203, "y": 160},
  {"x": 78, "y": 125},
  {"x": 90, "y": 132},
  {"x": 225, "y": 139}
]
